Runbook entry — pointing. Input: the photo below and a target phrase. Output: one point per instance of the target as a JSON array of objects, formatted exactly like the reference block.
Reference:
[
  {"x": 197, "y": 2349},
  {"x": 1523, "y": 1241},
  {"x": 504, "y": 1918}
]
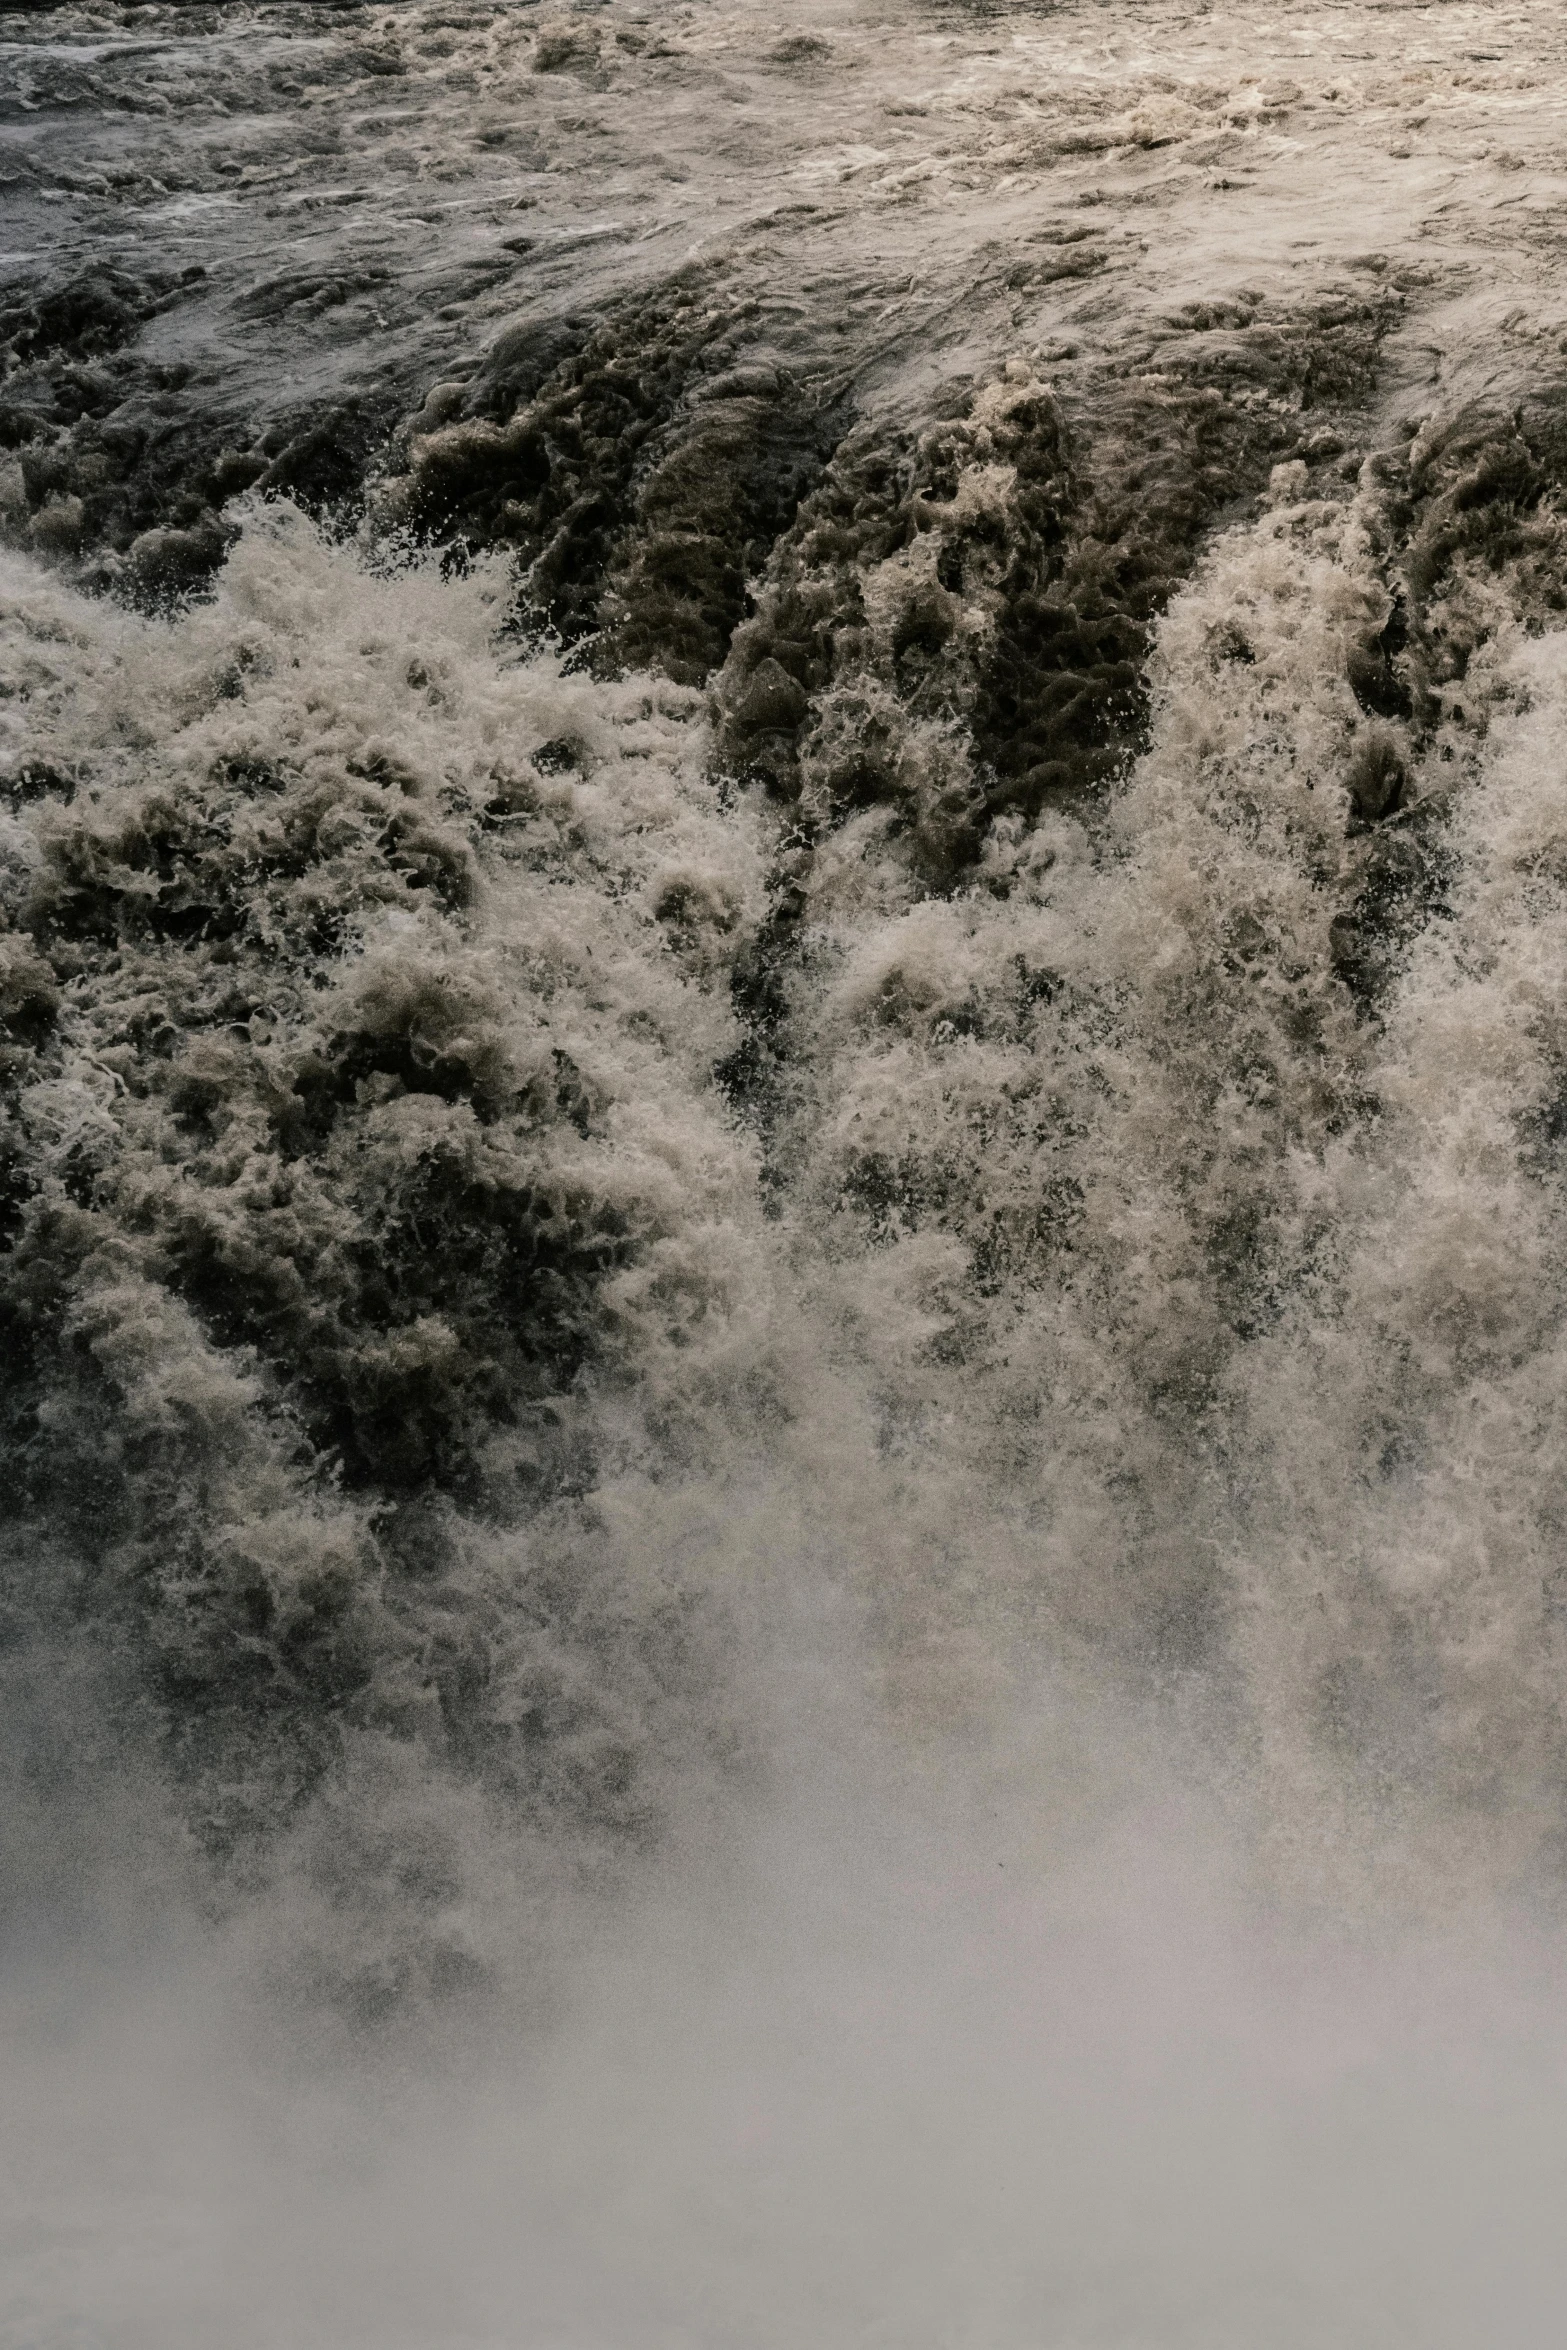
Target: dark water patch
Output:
[
  {"x": 1473, "y": 497},
  {"x": 125, "y": 462},
  {"x": 1400, "y": 882},
  {"x": 1001, "y": 573},
  {"x": 642, "y": 473},
  {"x": 1467, "y": 515}
]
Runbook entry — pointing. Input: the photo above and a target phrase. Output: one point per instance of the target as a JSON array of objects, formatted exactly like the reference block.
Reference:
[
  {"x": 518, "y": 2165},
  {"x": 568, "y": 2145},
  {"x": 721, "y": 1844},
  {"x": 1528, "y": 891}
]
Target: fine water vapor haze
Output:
[{"x": 783, "y": 899}]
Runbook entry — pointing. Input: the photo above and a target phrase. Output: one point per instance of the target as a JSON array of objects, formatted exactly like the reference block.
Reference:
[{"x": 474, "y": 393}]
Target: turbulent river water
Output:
[{"x": 783, "y": 1176}]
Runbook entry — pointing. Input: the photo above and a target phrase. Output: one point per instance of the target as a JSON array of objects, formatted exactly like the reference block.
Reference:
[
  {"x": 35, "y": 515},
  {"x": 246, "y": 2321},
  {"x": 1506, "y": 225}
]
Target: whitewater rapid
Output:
[{"x": 782, "y": 1044}]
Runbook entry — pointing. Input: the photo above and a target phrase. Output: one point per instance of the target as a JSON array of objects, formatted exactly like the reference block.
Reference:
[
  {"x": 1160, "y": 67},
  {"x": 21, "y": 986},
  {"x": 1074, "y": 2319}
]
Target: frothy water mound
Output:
[
  {"x": 364, "y": 1166},
  {"x": 933, "y": 1715},
  {"x": 782, "y": 1074}
]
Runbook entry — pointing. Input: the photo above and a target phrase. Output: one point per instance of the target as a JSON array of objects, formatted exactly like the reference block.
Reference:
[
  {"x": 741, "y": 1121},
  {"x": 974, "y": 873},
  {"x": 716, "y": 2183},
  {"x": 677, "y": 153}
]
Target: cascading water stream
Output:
[{"x": 781, "y": 1254}]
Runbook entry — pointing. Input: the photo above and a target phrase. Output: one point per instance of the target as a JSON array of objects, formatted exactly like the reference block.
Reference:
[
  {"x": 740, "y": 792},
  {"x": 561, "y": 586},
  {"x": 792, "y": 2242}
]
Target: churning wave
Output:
[{"x": 782, "y": 1279}]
